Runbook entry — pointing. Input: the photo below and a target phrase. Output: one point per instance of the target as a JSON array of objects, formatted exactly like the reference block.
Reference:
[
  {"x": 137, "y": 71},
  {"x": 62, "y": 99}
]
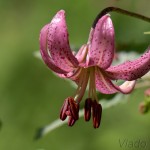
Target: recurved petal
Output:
[
  {"x": 58, "y": 43},
  {"x": 105, "y": 86},
  {"x": 101, "y": 52},
  {"x": 131, "y": 70},
  {"x": 127, "y": 87},
  {"x": 73, "y": 75},
  {"x": 81, "y": 55},
  {"x": 44, "y": 53}
]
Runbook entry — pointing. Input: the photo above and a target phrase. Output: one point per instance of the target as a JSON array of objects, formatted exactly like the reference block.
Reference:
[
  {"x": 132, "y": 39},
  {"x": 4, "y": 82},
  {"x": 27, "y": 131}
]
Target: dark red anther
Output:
[
  {"x": 87, "y": 109},
  {"x": 68, "y": 113},
  {"x": 63, "y": 110},
  {"x": 74, "y": 108},
  {"x": 97, "y": 113},
  {"x": 71, "y": 121},
  {"x": 70, "y": 108}
]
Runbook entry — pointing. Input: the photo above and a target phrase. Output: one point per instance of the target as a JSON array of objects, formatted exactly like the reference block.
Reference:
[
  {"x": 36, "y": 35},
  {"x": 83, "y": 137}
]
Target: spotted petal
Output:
[
  {"x": 102, "y": 43},
  {"x": 104, "y": 84},
  {"x": 81, "y": 55},
  {"x": 131, "y": 70},
  {"x": 58, "y": 43},
  {"x": 44, "y": 53}
]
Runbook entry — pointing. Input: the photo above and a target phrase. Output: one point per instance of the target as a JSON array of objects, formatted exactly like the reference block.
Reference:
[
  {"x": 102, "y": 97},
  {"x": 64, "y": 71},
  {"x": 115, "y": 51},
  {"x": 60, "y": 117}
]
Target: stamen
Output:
[
  {"x": 70, "y": 108},
  {"x": 92, "y": 86},
  {"x": 63, "y": 110},
  {"x": 71, "y": 121},
  {"x": 97, "y": 113},
  {"x": 82, "y": 85},
  {"x": 94, "y": 105},
  {"x": 87, "y": 109},
  {"x": 74, "y": 109}
]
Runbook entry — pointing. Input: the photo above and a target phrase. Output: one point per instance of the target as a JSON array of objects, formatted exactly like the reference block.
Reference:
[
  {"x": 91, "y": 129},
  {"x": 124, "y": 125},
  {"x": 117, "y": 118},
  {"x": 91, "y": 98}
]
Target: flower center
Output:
[
  {"x": 87, "y": 75},
  {"x": 70, "y": 107}
]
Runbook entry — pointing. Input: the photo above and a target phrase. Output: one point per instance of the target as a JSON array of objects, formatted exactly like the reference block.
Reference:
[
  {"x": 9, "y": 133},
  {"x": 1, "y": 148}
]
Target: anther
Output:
[
  {"x": 97, "y": 113},
  {"x": 74, "y": 108},
  {"x": 87, "y": 109},
  {"x": 63, "y": 110},
  {"x": 71, "y": 109},
  {"x": 71, "y": 121}
]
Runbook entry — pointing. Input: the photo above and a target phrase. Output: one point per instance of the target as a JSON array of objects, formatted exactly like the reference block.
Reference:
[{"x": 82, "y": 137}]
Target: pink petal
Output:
[
  {"x": 104, "y": 85},
  {"x": 127, "y": 87},
  {"x": 58, "y": 43},
  {"x": 75, "y": 75},
  {"x": 81, "y": 55},
  {"x": 131, "y": 70},
  {"x": 102, "y": 44},
  {"x": 43, "y": 49}
]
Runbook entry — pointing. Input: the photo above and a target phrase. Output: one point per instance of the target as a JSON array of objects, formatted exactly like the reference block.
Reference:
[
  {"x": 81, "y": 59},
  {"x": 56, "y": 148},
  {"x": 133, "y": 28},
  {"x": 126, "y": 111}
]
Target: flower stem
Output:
[{"x": 119, "y": 10}]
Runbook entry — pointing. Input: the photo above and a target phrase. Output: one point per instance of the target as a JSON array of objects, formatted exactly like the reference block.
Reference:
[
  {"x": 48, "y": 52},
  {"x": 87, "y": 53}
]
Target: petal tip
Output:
[
  {"x": 127, "y": 87},
  {"x": 61, "y": 12},
  {"x": 102, "y": 43},
  {"x": 60, "y": 15}
]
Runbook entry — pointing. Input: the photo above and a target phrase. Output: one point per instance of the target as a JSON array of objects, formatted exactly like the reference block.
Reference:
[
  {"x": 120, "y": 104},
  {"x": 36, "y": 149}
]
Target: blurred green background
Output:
[{"x": 31, "y": 96}]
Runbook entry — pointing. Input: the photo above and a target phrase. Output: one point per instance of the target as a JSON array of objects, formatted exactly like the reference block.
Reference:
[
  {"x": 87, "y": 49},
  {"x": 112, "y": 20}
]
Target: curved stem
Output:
[{"x": 119, "y": 10}]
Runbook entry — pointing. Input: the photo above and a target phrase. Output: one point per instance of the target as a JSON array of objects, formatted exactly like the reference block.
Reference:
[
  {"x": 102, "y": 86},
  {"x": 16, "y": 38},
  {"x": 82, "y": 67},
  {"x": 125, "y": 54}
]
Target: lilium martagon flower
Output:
[{"x": 90, "y": 66}]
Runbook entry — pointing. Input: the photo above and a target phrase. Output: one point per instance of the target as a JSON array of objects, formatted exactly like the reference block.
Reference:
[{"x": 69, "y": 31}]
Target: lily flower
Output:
[{"x": 90, "y": 66}]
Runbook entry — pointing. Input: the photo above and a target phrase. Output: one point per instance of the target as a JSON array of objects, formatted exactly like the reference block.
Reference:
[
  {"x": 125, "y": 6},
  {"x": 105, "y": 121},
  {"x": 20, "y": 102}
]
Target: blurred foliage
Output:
[
  {"x": 0, "y": 124},
  {"x": 31, "y": 96}
]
